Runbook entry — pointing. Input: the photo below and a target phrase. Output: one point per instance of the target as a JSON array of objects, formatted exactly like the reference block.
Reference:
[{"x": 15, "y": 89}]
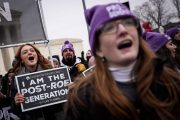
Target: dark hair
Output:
[
  {"x": 177, "y": 56},
  {"x": 57, "y": 57},
  {"x": 165, "y": 54}
]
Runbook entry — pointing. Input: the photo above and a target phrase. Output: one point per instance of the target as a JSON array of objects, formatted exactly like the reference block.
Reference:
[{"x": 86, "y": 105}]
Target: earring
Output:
[{"x": 103, "y": 59}]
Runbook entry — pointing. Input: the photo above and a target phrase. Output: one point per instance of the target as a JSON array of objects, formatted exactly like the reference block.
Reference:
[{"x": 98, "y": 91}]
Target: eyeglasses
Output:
[{"x": 113, "y": 27}]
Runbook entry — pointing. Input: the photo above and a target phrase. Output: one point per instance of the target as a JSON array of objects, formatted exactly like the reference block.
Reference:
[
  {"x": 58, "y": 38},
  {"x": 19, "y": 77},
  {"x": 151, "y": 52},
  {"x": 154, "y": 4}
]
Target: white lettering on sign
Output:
[
  {"x": 6, "y": 13},
  {"x": 45, "y": 96},
  {"x": 33, "y": 82},
  {"x": 56, "y": 77},
  {"x": 32, "y": 90}
]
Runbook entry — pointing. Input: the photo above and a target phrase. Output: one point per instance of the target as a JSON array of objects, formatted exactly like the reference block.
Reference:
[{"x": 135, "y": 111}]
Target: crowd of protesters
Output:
[{"x": 135, "y": 75}]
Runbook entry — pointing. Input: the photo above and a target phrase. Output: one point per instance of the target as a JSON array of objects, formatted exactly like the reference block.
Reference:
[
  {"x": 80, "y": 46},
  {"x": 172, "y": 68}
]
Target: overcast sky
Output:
[{"x": 65, "y": 18}]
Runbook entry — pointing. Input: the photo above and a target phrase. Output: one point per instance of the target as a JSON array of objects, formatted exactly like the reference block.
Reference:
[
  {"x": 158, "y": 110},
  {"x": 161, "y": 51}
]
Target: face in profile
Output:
[
  {"x": 29, "y": 56},
  {"x": 177, "y": 36},
  {"x": 172, "y": 47},
  {"x": 68, "y": 54},
  {"x": 88, "y": 53},
  {"x": 56, "y": 64}
]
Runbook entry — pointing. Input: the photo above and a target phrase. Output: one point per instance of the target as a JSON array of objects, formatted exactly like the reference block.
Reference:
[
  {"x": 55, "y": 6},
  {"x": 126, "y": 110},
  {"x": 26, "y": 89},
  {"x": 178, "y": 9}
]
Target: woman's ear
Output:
[{"x": 99, "y": 53}]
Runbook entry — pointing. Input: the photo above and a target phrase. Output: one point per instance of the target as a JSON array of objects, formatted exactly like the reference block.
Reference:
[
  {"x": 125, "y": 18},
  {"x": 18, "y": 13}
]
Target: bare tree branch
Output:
[
  {"x": 176, "y": 4},
  {"x": 155, "y": 12}
]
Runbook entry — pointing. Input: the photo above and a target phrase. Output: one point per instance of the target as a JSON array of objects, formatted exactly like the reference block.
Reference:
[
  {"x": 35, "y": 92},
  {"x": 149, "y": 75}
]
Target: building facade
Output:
[{"x": 52, "y": 48}]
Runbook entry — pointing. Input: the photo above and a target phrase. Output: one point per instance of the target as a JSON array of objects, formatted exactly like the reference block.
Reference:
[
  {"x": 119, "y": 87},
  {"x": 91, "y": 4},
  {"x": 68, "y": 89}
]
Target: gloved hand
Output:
[{"x": 80, "y": 67}]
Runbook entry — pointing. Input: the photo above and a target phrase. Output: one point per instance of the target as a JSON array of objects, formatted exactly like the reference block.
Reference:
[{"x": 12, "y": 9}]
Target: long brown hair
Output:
[
  {"x": 145, "y": 72},
  {"x": 106, "y": 92},
  {"x": 42, "y": 61}
]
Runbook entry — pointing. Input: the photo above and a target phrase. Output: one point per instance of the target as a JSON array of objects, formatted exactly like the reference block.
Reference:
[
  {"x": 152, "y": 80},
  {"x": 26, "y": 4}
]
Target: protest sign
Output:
[
  {"x": 43, "y": 88},
  {"x": 88, "y": 71}
]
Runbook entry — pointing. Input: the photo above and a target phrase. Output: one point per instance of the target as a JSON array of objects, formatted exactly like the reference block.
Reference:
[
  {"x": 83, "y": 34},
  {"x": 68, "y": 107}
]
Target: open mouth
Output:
[
  {"x": 125, "y": 44},
  {"x": 31, "y": 58}
]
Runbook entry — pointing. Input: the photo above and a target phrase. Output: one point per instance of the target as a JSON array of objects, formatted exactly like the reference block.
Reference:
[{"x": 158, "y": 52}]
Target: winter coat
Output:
[
  {"x": 76, "y": 67},
  {"x": 6, "y": 113},
  {"x": 95, "y": 111}
]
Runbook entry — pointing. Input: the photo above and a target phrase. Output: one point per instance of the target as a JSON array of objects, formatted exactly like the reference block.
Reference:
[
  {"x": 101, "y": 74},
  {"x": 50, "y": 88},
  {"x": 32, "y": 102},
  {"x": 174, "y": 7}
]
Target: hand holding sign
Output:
[{"x": 19, "y": 98}]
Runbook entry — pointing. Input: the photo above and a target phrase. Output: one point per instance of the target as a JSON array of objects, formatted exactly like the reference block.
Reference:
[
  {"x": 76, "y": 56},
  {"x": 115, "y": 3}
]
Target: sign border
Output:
[{"x": 16, "y": 78}]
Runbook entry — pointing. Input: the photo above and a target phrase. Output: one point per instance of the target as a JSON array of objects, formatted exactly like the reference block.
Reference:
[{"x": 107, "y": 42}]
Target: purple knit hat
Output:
[
  {"x": 156, "y": 40},
  {"x": 172, "y": 32},
  {"x": 66, "y": 45},
  {"x": 100, "y": 14}
]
